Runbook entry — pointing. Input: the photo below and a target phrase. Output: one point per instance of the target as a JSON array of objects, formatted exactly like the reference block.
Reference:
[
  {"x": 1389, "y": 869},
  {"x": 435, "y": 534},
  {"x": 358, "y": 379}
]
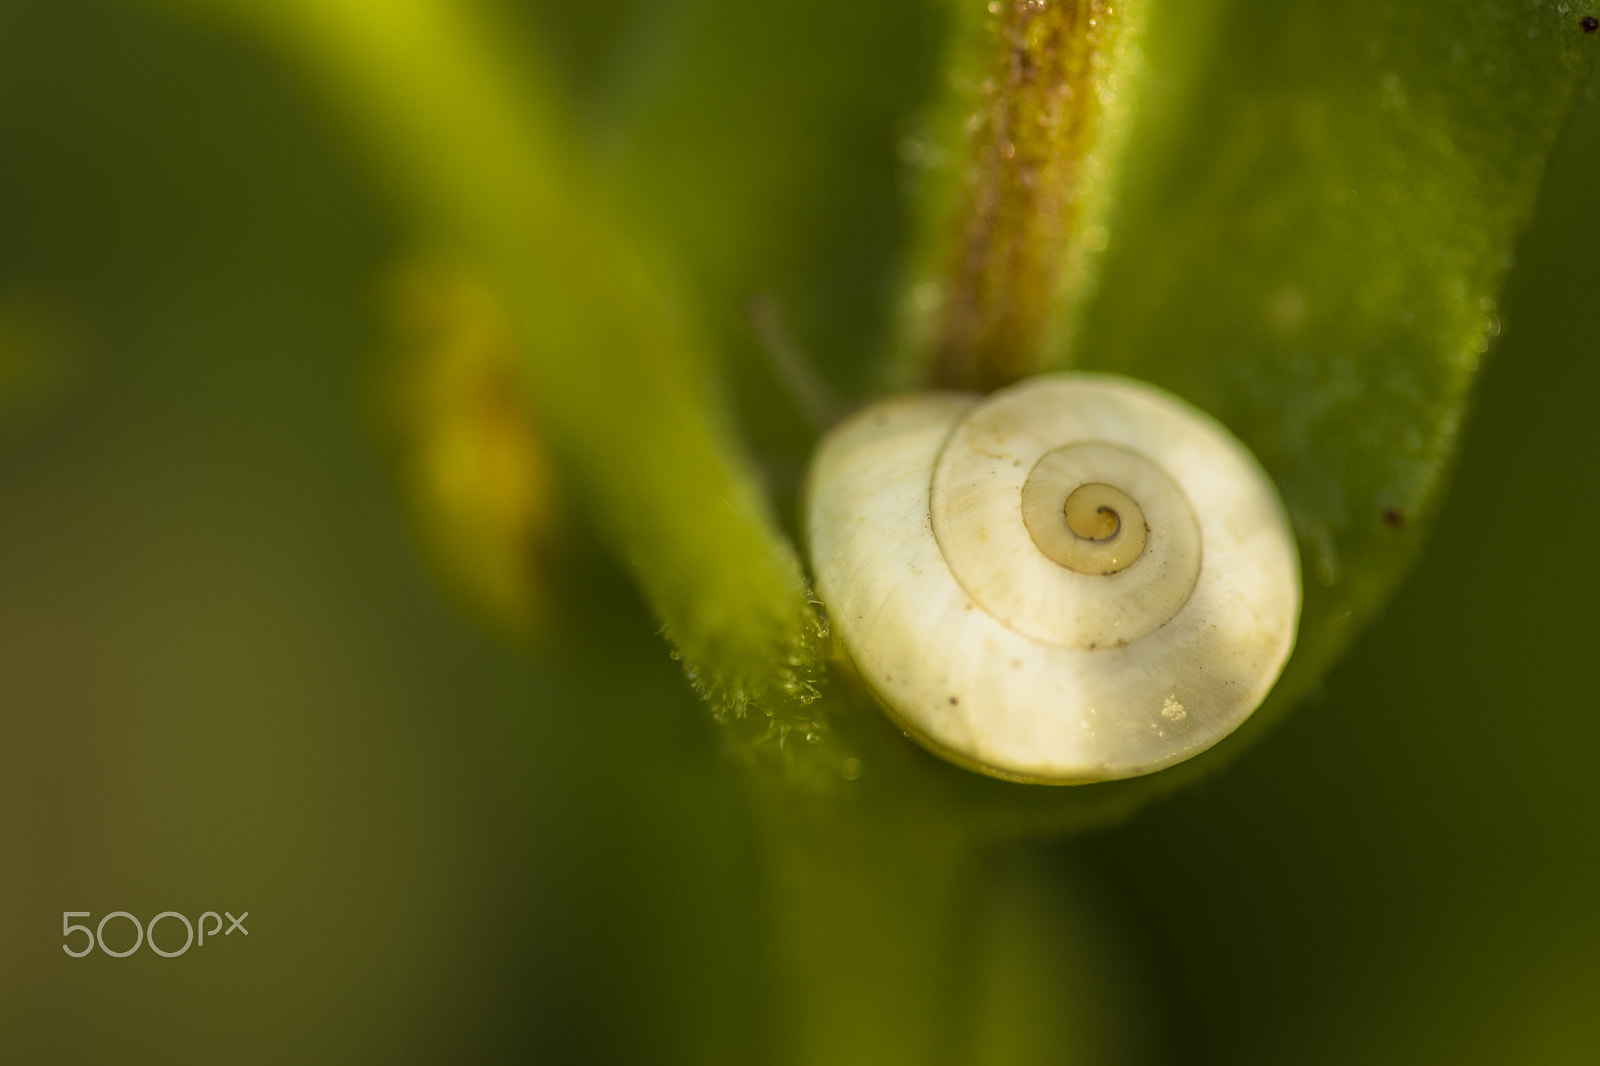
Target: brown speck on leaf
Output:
[
  {"x": 1394, "y": 518},
  {"x": 1588, "y": 24},
  {"x": 954, "y": 701}
]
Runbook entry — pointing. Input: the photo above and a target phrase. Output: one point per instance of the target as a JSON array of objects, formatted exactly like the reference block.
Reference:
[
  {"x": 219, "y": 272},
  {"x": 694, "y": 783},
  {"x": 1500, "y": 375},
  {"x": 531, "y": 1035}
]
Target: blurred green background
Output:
[{"x": 227, "y": 680}]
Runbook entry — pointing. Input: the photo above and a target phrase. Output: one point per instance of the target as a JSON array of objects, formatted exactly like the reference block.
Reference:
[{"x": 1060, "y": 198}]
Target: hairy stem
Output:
[{"x": 1033, "y": 124}]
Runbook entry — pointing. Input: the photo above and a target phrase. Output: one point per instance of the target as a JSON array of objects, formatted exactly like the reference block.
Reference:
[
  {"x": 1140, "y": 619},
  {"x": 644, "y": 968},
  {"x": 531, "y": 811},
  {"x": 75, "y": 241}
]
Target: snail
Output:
[{"x": 1078, "y": 578}]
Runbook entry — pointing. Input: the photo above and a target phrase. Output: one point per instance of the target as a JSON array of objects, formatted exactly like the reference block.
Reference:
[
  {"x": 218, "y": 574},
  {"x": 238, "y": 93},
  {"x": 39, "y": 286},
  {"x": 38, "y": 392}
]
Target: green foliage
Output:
[
  {"x": 1319, "y": 213},
  {"x": 614, "y": 365},
  {"x": 1305, "y": 225},
  {"x": 1305, "y": 217}
]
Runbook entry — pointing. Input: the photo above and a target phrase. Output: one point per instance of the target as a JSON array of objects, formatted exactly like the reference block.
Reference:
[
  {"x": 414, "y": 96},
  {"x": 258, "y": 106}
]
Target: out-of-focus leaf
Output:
[
  {"x": 762, "y": 143},
  {"x": 37, "y": 357},
  {"x": 472, "y": 461}
]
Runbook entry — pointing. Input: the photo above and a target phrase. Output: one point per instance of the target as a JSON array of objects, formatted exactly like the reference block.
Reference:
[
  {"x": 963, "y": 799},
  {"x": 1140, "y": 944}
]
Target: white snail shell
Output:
[{"x": 1078, "y": 578}]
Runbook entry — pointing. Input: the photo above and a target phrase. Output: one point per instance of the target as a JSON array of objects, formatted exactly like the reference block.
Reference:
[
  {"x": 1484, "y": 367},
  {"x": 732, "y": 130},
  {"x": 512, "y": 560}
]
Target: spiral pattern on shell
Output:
[{"x": 1078, "y": 578}]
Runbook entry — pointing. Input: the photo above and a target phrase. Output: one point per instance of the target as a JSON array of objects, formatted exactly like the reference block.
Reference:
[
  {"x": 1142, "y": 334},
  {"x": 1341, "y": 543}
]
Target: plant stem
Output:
[
  {"x": 482, "y": 161},
  {"x": 873, "y": 934},
  {"x": 1034, "y": 125}
]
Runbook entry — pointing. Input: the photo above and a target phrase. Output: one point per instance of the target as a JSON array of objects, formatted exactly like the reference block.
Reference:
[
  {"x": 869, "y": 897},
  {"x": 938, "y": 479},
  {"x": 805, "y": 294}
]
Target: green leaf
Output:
[{"x": 1315, "y": 227}]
